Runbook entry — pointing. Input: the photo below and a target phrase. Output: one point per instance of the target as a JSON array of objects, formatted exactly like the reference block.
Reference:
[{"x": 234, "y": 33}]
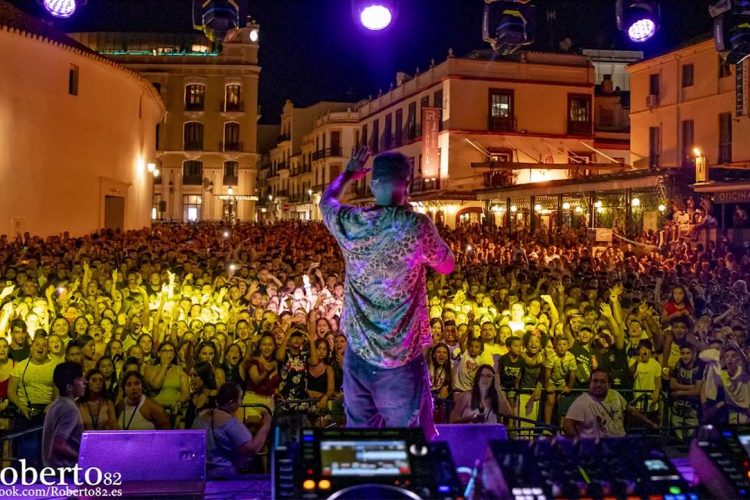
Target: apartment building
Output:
[{"x": 206, "y": 146}]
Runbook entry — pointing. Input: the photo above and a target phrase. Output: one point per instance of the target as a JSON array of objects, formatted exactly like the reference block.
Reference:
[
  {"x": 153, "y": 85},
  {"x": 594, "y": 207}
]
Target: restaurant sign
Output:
[{"x": 732, "y": 197}]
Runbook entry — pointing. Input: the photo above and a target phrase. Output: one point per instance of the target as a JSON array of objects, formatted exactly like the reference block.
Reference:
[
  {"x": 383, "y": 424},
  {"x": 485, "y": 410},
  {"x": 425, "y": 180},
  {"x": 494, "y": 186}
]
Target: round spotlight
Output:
[
  {"x": 642, "y": 30},
  {"x": 60, "y": 8},
  {"x": 697, "y": 151},
  {"x": 579, "y": 210},
  {"x": 376, "y": 17},
  {"x": 598, "y": 204},
  {"x": 226, "y": 234}
]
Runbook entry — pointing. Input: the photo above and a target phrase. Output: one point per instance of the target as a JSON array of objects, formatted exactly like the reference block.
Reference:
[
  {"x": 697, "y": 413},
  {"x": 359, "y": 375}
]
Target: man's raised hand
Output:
[{"x": 356, "y": 165}]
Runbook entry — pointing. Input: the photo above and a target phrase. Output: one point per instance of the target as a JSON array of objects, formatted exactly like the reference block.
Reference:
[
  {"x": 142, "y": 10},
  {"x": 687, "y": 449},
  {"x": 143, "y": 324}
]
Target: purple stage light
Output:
[
  {"x": 642, "y": 30},
  {"x": 376, "y": 17},
  {"x": 60, "y": 8}
]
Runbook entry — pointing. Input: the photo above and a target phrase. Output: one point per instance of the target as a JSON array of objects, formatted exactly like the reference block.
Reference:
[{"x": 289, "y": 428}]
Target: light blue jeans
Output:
[{"x": 388, "y": 397}]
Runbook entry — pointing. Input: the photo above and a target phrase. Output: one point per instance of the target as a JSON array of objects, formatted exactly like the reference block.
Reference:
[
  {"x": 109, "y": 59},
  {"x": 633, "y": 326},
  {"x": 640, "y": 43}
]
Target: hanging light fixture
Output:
[{"x": 375, "y": 15}]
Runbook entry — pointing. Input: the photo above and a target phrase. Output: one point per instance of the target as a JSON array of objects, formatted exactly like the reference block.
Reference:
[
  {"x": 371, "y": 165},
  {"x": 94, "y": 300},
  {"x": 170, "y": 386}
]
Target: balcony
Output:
[
  {"x": 194, "y": 106},
  {"x": 193, "y": 146},
  {"x": 281, "y": 166},
  {"x": 282, "y": 194},
  {"x": 499, "y": 178},
  {"x": 192, "y": 180},
  {"x": 421, "y": 185},
  {"x": 231, "y": 107},
  {"x": 230, "y": 146},
  {"x": 579, "y": 128},
  {"x": 230, "y": 180},
  {"x": 503, "y": 123},
  {"x": 282, "y": 138}
]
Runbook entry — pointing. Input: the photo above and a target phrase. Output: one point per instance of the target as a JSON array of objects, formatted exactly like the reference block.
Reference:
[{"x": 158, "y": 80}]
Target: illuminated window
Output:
[
  {"x": 195, "y": 97},
  {"x": 232, "y": 97}
]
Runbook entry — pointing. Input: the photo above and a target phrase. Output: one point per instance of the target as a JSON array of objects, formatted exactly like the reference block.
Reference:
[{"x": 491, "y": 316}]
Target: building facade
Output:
[
  {"x": 207, "y": 146},
  {"x": 689, "y": 116},
  {"x": 76, "y": 134},
  {"x": 310, "y": 138},
  {"x": 503, "y": 140}
]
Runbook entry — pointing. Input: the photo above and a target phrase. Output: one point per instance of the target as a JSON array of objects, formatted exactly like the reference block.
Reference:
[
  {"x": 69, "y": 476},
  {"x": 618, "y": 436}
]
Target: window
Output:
[
  {"x": 411, "y": 122},
  {"x": 191, "y": 206},
  {"x": 654, "y": 146},
  {"x": 688, "y": 75},
  {"x": 501, "y": 110},
  {"x": 579, "y": 114},
  {"x": 399, "y": 127},
  {"x": 653, "y": 84},
  {"x": 232, "y": 95},
  {"x": 193, "y": 138},
  {"x": 374, "y": 143},
  {"x": 388, "y": 132},
  {"x": 336, "y": 143},
  {"x": 231, "y": 169},
  {"x": 364, "y": 135},
  {"x": 724, "y": 68},
  {"x": 73, "y": 80},
  {"x": 195, "y": 96},
  {"x": 156, "y": 135},
  {"x": 192, "y": 173},
  {"x": 725, "y": 138},
  {"x": 688, "y": 139},
  {"x": 232, "y": 136}
]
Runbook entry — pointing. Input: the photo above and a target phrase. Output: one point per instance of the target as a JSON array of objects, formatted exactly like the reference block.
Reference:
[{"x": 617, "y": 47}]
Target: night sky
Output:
[{"x": 311, "y": 50}]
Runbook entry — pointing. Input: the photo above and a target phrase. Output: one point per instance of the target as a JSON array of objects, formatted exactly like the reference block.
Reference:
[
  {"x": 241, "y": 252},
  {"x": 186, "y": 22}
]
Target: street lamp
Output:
[
  {"x": 636, "y": 202},
  {"x": 701, "y": 171}
]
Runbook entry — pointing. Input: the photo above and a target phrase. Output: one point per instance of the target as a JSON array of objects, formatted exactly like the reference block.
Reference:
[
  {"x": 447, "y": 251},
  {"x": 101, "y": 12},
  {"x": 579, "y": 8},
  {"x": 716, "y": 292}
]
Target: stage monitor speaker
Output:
[
  {"x": 468, "y": 442},
  {"x": 151, "y": 463}
]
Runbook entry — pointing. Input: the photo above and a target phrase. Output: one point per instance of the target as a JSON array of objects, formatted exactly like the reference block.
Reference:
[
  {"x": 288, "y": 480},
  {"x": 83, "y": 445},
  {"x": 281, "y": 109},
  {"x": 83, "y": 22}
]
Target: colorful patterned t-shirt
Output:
[{"x": 385, "y": 298}]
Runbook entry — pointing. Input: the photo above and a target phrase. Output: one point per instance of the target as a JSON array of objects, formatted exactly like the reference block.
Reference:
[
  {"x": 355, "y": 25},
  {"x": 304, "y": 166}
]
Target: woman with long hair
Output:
[
  {"x": 440, "y": 367},
  {"x": 262, "y": 376},
  {"x": 106, "y": 367},
  {"x": 232, "y": 364},
  {"x": 138, "y": 412},
  {"x": 97, "y": 410},
  {"x": 202, "y": 391},
  {"x": 485, "y": 403},
  {"x": 167, "y": 379},
  {"x": 207, "y": 351},
  {"x": 320, "y": 378},
  {"x": 678, "y": 305}
]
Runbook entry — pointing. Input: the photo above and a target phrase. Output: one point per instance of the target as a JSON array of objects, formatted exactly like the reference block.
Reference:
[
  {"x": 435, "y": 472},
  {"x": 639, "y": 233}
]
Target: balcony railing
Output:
[
  {"x": 230, "y": 180},
  {"x": 653, "y": 160},
  {"x": 230, "y": 146},
  {"x": 281, "y": 166},
  {"x": 282, "y": 194},
  {"x": 503, "y": 123},
  {"x": 282, "y": 138},
  {"x": 579, "y": 128},
  {"x": 192, "y": 180},
  {"x": 499, "y": 178},
  {"x": 231, "y": 107},
  {"x": 421, "y": 185},
  {"x": 725, "y": 153},
  {"x": 193, "y": 146},
  {"x": 194, "y": 106}
]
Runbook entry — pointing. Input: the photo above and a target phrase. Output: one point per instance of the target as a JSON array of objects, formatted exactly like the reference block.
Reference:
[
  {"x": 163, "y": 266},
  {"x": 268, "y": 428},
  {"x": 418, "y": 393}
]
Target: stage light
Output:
[
  {"x": 598, "y": 204},
  {"x": 226, "y": 234},
  {"x": 732, "y": 29},
  {"x": 508, "y": 25},
  {"x": 537, "y": 208},
  {"x": 216, "y": 18},
  {"x": 639, "y": 19},
  {"x": 375, "y": 15},
  {"x": 60, "y": 8},
  {"x": 513, "y": 208}
]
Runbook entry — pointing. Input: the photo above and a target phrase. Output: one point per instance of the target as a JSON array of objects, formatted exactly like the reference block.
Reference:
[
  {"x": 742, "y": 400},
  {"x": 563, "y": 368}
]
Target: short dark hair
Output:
[
  {"x": 391, "y": 166},
  {"x": 599, "y": 370},
  {"x": 66, "y": 373},
  {"x": 228, "y": 392}
]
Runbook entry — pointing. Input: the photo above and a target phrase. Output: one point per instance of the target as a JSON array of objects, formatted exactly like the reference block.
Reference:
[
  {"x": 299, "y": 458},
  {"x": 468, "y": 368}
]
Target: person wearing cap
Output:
[
  {"x": 294, "y": 362},
  {"x": 386, "y": 249}
]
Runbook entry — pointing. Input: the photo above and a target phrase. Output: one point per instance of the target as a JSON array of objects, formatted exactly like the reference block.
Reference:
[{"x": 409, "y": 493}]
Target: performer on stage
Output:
[{"x": 386, "y": 248}]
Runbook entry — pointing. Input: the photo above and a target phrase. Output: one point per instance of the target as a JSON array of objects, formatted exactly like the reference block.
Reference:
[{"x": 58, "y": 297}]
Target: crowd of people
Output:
[{"x": 160, "y": 319}]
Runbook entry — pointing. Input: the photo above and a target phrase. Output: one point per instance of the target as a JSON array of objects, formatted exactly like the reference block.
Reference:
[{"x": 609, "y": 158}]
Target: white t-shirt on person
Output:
[{"x": 599, "y": 418}]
